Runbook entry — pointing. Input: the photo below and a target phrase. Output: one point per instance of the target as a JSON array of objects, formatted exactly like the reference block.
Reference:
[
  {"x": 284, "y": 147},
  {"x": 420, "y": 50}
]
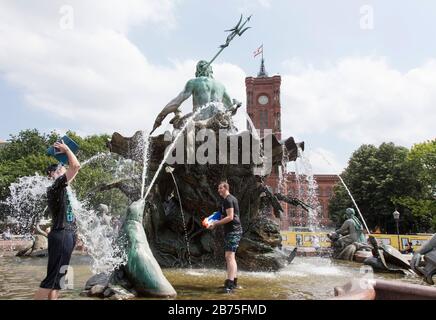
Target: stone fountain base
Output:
[
  {"x": 167, "y": 227},
  {"x": 103, "y": 285},
  {"x": 39, "y": 248},
  {"x": 258, "y": 249},
  {"x": 140, "y": 275}
]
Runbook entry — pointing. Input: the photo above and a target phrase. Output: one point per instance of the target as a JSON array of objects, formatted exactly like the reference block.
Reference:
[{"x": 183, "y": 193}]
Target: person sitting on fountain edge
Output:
[
  {"x": 232, "y": 233},
  {"x": 62, "y": 237}
]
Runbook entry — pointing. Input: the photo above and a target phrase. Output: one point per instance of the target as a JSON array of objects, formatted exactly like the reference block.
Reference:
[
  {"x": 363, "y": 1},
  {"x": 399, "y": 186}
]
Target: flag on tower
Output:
[{"x": 258, "y": 51}]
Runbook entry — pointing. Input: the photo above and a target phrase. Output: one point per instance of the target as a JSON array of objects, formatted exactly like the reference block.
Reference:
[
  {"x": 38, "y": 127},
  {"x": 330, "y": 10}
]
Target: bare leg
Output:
[
  {"x": 53, "y": 295},
  {"x": 42, "y": 294},
  {"x": 232, "y": 267}
]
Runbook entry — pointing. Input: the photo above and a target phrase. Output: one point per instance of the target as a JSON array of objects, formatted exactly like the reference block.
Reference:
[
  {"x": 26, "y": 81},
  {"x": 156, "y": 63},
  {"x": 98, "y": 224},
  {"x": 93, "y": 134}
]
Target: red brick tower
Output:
[
  {"x": 264, "y": 109},
  {"x": 263, "y": 101}
]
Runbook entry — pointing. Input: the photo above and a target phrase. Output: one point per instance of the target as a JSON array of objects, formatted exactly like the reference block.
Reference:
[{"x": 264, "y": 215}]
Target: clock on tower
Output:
[{"x": 263, "y": 99}]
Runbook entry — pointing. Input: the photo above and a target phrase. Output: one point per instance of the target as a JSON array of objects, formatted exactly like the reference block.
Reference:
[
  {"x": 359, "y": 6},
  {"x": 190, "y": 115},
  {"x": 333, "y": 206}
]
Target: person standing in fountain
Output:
[
  {"x": 232, "y": 233},
  {"x": 62, "y": 237}
]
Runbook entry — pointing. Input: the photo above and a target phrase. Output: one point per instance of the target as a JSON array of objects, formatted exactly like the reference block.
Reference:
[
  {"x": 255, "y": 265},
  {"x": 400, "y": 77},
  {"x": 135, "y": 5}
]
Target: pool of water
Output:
[{"x": 305, "y": 278}]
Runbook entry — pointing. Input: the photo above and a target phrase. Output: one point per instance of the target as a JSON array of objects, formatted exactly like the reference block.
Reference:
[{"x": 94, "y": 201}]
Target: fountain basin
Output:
[{"x": 307, "y": 278}]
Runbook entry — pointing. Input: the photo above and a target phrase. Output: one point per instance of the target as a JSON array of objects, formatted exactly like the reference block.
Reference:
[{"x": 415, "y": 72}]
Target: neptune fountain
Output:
[
  {"x": 162, "y": 233},
  {"x": 163, "y": 228}
]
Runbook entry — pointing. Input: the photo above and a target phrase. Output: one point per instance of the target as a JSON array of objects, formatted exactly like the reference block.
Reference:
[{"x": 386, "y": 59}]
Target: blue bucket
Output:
[{"x": 62, "y": 157}]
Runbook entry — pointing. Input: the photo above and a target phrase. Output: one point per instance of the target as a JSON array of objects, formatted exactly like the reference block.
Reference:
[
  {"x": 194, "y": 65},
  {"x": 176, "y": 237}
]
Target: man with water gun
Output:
[{"x": 229, "y": 217}]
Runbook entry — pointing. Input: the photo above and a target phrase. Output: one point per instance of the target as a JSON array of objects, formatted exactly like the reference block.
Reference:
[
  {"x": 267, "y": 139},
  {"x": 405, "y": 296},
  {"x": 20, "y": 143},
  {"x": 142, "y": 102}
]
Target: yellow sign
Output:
[{"x": 320, "y": 239}]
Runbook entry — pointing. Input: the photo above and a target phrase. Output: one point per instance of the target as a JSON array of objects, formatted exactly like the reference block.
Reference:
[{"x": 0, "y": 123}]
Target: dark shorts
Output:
[
  {"x": 61, "y": 244},
  {"x": 231, "y": 241}
]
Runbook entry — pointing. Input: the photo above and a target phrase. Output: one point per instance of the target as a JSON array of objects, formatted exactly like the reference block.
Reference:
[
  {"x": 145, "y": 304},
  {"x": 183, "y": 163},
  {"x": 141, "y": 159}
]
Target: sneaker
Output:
[
  {"x": 228, "y": 286},
  {"x": 235, "y": 284}
]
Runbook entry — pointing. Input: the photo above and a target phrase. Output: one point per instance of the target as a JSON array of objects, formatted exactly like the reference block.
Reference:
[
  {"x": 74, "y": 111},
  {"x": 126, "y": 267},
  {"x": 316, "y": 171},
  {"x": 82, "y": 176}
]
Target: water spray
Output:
[
  {"x": 311, "y": 189},
  {"x": 348, "y": 190},
  {"x": 171, "y": 148},
  {"x": 145, "y": 145},
  {"x": 98, "y": 156},
  {"x": 170, "y": 170}
]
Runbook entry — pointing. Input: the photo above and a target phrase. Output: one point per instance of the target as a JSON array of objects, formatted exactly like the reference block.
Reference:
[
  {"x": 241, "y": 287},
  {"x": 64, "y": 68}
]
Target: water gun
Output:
[
  {"x": 62, "y": 157},
  {"x": 216, "y": 216}
]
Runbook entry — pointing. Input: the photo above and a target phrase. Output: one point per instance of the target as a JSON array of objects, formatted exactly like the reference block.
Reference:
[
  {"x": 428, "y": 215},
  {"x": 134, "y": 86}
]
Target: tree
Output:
[
  {"x": 423, "y": 157},
  {"x": 28, "y": 165},
  {"x": 90, "y": 145},
  {"x": 27, "y": 142},
  {"x": 26, "y": 155},
  {"x": 377, "y": 178},
  {"x": 97, "y": 173},
  {"x": 423, "y": 208}
]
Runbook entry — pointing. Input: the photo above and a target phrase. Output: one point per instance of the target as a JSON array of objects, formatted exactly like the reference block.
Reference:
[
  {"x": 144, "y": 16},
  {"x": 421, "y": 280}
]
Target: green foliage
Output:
[
  {"x": 91, "y": 145},
  {"x": 27, "y": 142},
  {"x": 423, "y": 210},
  {"x": 26, "y": 155},
  {"x": 387, "y": 178},
  {"x": 423, "y": 157},
  {"x": 89, "y": 178},
  {"x": 28, "y": 165}
]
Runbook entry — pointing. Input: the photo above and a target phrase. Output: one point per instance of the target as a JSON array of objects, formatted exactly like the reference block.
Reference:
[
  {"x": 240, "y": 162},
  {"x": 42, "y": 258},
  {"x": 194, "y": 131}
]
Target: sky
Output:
[{"x": 353, "y": 72}]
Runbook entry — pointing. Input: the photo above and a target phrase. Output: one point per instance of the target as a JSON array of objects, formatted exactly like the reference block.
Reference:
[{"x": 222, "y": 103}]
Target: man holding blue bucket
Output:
[{"x": 62, "y": 237}]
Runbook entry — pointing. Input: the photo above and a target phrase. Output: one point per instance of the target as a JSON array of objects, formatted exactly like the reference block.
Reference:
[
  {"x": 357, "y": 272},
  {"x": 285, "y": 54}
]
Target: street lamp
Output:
[{"x": 396, "y": 215}]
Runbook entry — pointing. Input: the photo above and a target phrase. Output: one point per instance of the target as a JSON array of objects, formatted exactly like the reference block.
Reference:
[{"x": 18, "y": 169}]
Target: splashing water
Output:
[
  {"x": 118, "y": 166},
  {"x": 27, "y": 201},
  {"x": 315, "y": 266},
  {"x": 306, "y": 185},
  {"x": 170, "y": 149},
  {"x": 124, "y": 168},
  {"x": 354, "y": 202},
  {"x": 170, "y": 171},
  {"x": 298, "y": 175},
  {"x": 143, "y": 149},
  {"x": 283, "y": 172},
  {"x": 308, "y": 189},
  {"x": 348, "y": 191},
  {"x": 98, "y": 237},
  {"x": 98, "y": 156}
]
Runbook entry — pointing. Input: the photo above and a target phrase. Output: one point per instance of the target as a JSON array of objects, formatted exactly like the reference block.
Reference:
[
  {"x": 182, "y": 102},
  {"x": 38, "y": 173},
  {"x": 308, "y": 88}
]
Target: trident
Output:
[{"x": 238, "y": 30}]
